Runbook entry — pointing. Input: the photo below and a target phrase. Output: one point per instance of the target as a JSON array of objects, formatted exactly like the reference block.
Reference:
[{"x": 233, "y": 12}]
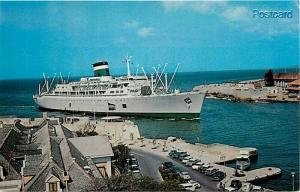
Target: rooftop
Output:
[
  {"x": 295, "y": 83},
  {"x": 46, "y": 140},
  {"x": 93, "y": 146},
  {"x": 286, "y": 76}
]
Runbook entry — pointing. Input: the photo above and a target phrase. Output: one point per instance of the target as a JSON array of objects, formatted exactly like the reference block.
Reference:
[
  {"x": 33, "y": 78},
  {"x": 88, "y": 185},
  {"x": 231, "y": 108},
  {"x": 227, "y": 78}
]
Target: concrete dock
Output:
[
  {"x": 247, "y": 176},
  {"x": 211, "y": 153}
]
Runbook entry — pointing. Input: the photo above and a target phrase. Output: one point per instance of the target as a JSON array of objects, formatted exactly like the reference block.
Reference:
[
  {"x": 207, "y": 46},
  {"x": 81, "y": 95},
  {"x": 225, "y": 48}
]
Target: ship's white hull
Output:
[{"x": 168, "y": 105}]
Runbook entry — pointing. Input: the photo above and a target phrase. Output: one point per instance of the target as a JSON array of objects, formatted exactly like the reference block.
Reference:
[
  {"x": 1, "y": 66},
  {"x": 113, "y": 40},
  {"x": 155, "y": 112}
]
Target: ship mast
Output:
[{"x": 128, "y": 62}]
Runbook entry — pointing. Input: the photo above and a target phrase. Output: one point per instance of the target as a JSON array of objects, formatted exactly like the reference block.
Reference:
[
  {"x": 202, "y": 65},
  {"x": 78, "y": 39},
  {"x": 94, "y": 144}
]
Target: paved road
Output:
[{"x": 150, "y": 162}]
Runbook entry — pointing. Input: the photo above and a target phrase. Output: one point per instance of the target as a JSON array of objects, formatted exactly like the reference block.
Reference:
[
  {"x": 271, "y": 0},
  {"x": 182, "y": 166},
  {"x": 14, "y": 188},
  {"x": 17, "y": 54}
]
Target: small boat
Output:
[{"x": 243, "y": 162}]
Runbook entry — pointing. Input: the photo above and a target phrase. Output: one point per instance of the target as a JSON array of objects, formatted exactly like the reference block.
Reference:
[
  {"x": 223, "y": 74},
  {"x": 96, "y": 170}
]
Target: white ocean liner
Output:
[{"x": 126, "y": 95}]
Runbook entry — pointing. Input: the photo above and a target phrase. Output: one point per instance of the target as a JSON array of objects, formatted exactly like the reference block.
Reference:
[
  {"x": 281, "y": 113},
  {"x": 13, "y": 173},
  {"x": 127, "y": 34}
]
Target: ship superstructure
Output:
[{"x": 124, "y": 95}]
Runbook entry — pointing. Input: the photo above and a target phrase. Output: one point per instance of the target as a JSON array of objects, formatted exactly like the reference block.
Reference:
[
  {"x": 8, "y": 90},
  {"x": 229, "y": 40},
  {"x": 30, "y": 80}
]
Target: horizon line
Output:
[{"x": 257, "y": 69}]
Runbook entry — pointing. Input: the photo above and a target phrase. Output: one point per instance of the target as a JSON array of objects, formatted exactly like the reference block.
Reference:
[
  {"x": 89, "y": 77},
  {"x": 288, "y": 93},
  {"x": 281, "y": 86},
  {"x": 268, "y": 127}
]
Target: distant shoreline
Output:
[{"x": 276, "y": 70}]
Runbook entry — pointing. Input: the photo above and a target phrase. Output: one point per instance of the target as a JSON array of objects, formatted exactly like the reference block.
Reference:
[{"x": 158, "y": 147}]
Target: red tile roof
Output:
[
  {"x": 286, "y": 76},
  {"x": 295, "y": 83}
]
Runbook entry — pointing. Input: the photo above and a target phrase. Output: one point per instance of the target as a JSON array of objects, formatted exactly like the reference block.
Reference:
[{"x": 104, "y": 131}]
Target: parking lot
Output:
[{"x": 150, "y": 167}]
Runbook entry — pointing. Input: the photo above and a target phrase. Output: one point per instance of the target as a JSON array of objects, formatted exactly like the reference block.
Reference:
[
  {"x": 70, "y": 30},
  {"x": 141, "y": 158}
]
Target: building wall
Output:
[
  {"x": 106, "y": 161},
  {"x": 57, "y": 186},
  {"x": 9, "y": 186}
]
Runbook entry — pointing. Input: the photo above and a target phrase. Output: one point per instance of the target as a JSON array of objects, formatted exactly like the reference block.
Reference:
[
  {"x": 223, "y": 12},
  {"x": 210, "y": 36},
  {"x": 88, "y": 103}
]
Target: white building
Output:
[{"x": 95, "y": 148}]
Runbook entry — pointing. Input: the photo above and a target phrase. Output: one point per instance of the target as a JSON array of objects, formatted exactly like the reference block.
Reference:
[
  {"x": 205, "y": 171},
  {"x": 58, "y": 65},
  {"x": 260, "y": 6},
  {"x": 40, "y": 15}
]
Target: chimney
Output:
[
  {"x": 73, "y": 160},
  {"x": 24, "y": 161},
  {"x": 1, "y": 124},
  {"x": 66, "y": 177},
  {"x": 51, "y": 159},
  {"x": 45, "y": 115},
  {"x": 101, "y": 69}
]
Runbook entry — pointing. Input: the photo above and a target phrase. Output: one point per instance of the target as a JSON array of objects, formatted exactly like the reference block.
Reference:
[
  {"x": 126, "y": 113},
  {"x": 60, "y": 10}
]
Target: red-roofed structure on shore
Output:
[
  {"x": 294, "y": 88},
  {"x": 283, "y": 79}
]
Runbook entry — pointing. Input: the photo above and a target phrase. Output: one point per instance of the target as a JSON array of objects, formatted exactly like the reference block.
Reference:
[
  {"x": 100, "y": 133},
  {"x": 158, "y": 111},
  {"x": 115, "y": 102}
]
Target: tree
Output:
[
  {"x": 121, "y": 154},
  {"x": 269, "y": 80},
  {"x": 167, "y": 174},
  {"x": 87, "y": 130},
  {"x": 98, "y": 185},
  {"x": 170, "y": 185},
  {"x": 128, "y": 182},
  {"x": 148, "y": 184}
]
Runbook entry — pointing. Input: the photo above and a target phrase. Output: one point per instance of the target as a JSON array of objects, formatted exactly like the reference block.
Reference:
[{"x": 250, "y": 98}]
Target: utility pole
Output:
[{"x": 293, "y": 177}]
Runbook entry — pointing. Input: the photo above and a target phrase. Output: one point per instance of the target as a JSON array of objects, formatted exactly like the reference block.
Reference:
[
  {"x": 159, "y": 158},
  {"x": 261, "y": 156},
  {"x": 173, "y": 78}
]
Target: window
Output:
[
  {"x": 111, "y": 91},
  {"x": 124, "y": 105},
  {"x": 52, "y": 187}
]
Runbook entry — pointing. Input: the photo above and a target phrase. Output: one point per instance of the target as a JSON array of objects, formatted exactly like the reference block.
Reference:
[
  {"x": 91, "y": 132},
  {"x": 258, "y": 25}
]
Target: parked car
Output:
[
  {"x": 186, "y": 159},
  {"x": 134, "y": 167},
  {"x": 211, "y": 171},
  {"x": 218, "y": 176},
  {"x": 177, "y": 154},
  {"x": 192, "y": 162},
  {"x": 195, "y": 183},
  {"x": 133, "y": 161},
  {"x": 247, "y": 187},
  {"x": 204, "y": 167},
  {"x": 176, "y": 170},
  {"x": 172, "y": 152},
  {"x": 182, "y": 155},
  {"x": 137, "y": 173},
  {"x": 236, "y": 184},
  {"x": 198, "y": 165},
  {"x": 167, "y": 165},
  {"x": 188, "y": 186},
  {"x": 185, "y": 175},
  {"x": 131, "y": 155},
  {"x": 230, "y": 189}
]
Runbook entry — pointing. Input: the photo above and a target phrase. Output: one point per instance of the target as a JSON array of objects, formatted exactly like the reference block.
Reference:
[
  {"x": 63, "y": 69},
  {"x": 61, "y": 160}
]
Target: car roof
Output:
[
  {"x": 186, "y": 184},
  {"x": 230, "y": 188}
]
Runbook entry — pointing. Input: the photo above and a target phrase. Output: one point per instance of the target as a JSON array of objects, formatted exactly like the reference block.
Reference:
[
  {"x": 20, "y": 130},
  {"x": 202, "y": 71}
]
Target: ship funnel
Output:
[{"x": 101, "y": 69}]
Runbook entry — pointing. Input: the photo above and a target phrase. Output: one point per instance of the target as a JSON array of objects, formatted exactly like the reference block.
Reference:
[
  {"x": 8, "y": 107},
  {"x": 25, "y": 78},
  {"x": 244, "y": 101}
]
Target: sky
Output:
[{"x": 67, "y": 37}]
